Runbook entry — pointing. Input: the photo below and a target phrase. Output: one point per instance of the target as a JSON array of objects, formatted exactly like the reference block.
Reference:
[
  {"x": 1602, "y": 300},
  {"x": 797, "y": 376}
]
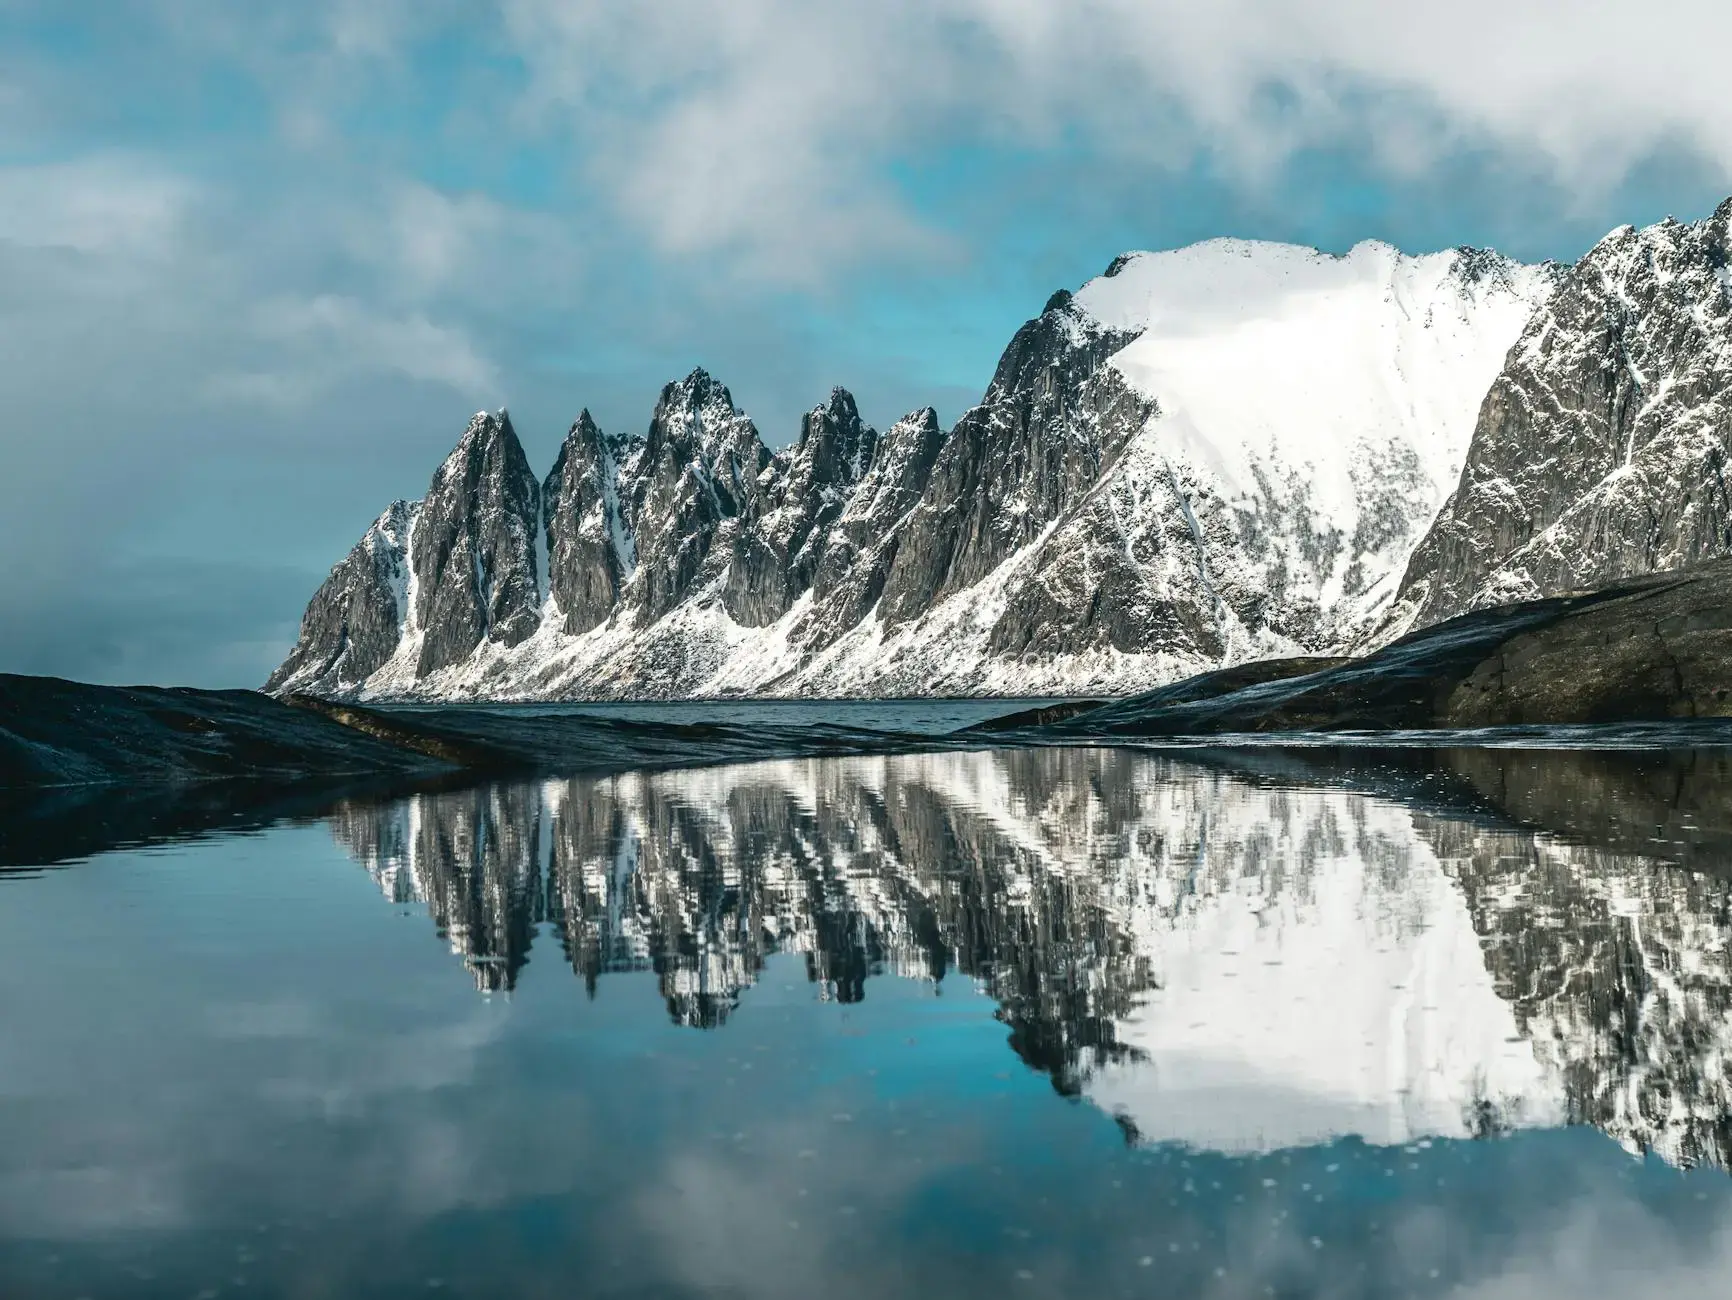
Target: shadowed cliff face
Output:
[
  {"x": 1052, "y": 417},
  {"x": 1161, "y": 938},
  {"x": 590, "y": 553},
  {"x": 354, "y": 623},
  {"x": 473, "y": 557}
]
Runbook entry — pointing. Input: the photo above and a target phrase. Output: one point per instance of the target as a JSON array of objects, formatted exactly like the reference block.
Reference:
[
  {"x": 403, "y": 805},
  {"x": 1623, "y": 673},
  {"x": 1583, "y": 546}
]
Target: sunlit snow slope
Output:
[{"x": 1318, "y": 407}]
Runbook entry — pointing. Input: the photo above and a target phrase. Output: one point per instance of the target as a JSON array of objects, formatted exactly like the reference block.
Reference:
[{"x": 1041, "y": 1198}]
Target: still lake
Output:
[{"x": 1018, "y": 1022}]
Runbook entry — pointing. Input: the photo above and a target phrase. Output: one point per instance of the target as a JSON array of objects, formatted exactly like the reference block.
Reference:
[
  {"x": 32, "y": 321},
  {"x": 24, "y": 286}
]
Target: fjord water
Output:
[{"x": 1042, "y": 1022}]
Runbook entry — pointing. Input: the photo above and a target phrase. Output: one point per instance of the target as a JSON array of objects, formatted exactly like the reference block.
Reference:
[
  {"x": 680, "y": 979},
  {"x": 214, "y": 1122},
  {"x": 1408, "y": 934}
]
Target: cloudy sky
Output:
[{"x": 259, "y": 262}]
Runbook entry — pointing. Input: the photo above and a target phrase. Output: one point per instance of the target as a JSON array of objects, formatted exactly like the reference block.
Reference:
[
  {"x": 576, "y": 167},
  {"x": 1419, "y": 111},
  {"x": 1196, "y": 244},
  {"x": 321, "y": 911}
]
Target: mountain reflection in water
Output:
[{"x": 1236, "y": 963}]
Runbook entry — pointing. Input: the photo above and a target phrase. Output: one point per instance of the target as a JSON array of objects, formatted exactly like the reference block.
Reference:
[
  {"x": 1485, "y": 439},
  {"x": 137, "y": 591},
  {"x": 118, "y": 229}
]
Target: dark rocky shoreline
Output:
[
  {"x": 1651, "y": 649},
  {"x": 117, "y": 764},
  {"x": 1648, "y": 649}
]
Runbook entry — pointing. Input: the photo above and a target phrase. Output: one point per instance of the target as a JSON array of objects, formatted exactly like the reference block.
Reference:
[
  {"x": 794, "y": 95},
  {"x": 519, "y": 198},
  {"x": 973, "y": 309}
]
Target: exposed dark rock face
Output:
[
  {"x": 591, "y": 550},
  {"x": 1601, "y": 449},
  {"x": 1098, "y": 522},
  {"x": 354, "y": 623},
  {"x": 453, "y": 570},
  {"x": 473, "y": 557},
  {"x": 818, "y": 479},
  {"x": 1125, "y": 571},
  {"x": 861, "y": 548},
  {"x": 692, "y": 485},
  {"x": 1051, "y": 419}
]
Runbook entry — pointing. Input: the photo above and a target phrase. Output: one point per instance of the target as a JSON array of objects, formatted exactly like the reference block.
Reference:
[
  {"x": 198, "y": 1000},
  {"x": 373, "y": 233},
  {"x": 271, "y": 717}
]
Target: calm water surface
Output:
[
  {"x": 1086, "y": 1022},
  {"x": 916, "y": 716}
]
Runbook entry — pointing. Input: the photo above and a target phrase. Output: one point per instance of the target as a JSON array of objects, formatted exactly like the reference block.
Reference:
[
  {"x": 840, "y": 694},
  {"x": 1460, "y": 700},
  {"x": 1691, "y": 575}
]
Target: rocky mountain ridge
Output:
[
  {"x": 1600, "y": 452},
  {"x": 1201, "y": 457}
]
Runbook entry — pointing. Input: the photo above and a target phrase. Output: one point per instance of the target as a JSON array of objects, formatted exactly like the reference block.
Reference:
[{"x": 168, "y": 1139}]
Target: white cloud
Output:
[
  {"x": 433, "y": 236},
  {"x": 424, "y": 243},
  {"x": 765, "y": 128},
  {"x": 104, "y": 204},
  {"x": 330, "y": 337}
]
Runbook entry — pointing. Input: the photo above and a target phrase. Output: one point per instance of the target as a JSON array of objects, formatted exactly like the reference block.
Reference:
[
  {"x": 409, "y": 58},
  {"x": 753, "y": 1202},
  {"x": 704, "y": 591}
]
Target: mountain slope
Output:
[
  {"x": 1601, "y": 450},
  {"x": 1202, "y": 456}
]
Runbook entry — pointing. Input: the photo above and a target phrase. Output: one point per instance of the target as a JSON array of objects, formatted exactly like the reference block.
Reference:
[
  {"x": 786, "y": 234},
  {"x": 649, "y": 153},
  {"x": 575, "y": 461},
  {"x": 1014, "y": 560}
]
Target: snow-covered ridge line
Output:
[{"x": 1203, "y": 455}]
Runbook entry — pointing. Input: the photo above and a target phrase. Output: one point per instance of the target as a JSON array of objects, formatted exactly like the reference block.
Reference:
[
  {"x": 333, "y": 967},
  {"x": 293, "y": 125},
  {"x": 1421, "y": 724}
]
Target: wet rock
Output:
[{"x": 1650, "y": 648}]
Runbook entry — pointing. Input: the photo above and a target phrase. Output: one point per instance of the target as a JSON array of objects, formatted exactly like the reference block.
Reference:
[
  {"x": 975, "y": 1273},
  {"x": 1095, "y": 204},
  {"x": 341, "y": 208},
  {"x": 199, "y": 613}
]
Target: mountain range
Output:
[{"x": 1227, "y": 452}]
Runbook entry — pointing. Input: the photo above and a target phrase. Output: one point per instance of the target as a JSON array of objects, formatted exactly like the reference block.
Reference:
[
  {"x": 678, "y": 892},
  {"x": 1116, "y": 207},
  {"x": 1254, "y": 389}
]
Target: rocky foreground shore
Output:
[{"x": 1647, "y": 649}]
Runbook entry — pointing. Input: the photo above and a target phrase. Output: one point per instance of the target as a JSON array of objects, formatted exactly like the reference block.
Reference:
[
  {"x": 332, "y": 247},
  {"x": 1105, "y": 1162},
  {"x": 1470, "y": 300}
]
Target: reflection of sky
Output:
[{"x": 234, "y": 1060}]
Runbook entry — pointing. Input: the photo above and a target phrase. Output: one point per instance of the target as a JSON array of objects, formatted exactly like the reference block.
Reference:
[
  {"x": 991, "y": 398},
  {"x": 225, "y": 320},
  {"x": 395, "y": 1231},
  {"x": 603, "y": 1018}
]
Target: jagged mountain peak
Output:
[
  {"x": 699, "y": 390},
  {"x": 1208, "y": 454},
  {"x": 902, "y": 460},
  {"x": 586, "y": 440},
  {"x": 490, "y": 424},
  {"x": 835, "y": 446},
  {"x": 839, "y": 408},
  {"x": 696, "y": 421},
  {"x": 1487, "y": 270},
  {"x": 474, "y": 567},
  {"x": 590, "y": 544},
  {"x": 393, "y": 522},
  {"x": 354, "y": 622},
  {"x": 926, "y": 417},
  {"x": 1055, "y": 351},
  {"x": 488, "y": 435}
]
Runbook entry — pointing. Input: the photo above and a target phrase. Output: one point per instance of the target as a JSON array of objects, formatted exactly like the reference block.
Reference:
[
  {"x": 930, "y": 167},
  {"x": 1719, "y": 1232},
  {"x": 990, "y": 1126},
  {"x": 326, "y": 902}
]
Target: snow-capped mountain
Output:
[
  {"x": 1230, "y": 964},
  {"x": 1601, "y": 450},
  {"x": 1204, "y": 455}
]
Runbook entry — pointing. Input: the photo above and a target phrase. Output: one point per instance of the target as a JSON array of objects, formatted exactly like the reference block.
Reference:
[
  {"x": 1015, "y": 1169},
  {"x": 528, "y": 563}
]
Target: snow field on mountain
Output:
[{"x": 1306, "y": 391}]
